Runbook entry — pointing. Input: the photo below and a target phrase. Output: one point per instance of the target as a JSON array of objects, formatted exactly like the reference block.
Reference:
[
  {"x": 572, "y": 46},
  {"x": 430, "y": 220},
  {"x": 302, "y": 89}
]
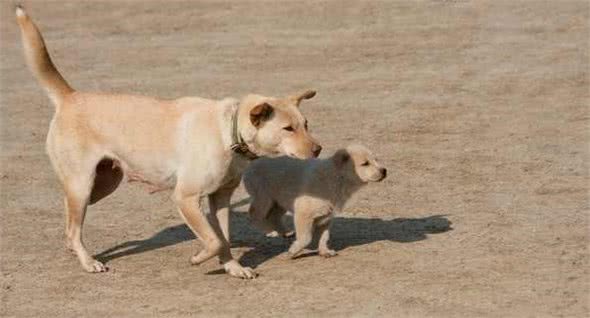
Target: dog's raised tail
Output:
[{"x": 39, "y": 61}]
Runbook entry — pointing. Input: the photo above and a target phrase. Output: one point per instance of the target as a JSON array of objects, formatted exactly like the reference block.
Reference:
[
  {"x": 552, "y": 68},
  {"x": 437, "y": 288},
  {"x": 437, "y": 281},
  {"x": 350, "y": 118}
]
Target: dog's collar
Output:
[{"x": 237, "y": 142}]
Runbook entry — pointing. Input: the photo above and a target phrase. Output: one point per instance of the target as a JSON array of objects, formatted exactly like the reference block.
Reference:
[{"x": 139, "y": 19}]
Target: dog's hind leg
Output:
[
  {"x": 78, "y": 188},
  {"x": 76, "y": 162}
]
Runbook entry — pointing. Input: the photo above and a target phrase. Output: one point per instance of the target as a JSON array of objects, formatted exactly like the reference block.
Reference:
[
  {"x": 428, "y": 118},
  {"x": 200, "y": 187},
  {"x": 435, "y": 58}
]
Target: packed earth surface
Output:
[{"x": 479, "y": 109}]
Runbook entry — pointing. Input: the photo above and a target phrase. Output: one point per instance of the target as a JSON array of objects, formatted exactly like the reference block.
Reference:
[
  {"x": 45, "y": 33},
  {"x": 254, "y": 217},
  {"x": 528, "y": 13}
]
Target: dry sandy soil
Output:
[{"x": 479, "y": 109}]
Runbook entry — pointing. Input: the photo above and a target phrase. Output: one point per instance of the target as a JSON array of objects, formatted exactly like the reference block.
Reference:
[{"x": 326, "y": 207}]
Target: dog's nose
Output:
[
  {"x": 384, "y": 172},
  {"x": 316, "y": 149}
]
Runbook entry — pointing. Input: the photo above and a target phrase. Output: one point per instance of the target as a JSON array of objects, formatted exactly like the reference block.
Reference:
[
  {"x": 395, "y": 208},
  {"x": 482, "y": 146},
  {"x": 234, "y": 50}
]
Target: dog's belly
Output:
[{"x": 156, "y": 177}]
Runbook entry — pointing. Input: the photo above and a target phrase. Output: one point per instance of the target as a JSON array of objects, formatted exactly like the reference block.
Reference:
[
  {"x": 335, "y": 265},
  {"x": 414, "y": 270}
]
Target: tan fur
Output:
[
  {"x": 184, "y": 144},
  {"x": 312, "y": 189}
]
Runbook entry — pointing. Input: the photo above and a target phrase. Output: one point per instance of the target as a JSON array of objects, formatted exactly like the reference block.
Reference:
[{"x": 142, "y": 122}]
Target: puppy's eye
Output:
[
  {"x": 289, "y": 128},
  {"x": 366, "y": 163},
  {"x": 305, "y": 125}
]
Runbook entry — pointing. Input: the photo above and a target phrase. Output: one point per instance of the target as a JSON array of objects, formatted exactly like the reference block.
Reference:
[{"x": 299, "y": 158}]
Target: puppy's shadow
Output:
[
  {"x": 354, "y": 231},
  {"x": 345, "y": 232}
]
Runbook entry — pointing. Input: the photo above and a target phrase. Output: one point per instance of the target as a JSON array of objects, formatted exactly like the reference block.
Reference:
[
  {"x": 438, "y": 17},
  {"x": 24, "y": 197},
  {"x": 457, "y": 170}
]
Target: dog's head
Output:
[
  {"x": 358, "y": 163},
  {"x": 275, "y": 126}
]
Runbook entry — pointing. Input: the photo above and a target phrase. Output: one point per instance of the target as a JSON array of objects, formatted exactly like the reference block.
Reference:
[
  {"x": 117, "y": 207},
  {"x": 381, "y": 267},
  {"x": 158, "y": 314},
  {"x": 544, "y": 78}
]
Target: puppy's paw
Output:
[
  {"x": 272, "y": 234},
  {"x": 289, "y": 234},
  {"x": 94, "y": 266},
  {"x": 327, "y": 253},
  {"x": 236, "y": 270}
]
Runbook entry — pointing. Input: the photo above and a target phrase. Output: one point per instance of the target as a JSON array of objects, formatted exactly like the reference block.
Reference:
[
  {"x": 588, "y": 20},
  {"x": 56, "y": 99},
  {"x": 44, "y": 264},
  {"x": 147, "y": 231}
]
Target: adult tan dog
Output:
[
  {"x": 312, "y": 189},
  {"x": 195, "y": 146}
]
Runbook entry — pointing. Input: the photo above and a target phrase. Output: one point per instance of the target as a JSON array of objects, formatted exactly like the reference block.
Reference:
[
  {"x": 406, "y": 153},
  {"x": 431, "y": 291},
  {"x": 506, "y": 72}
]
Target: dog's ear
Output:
[
  {"x": 340, "y": 158},
  {"x": 260, "y": 113},
  {"x": 301, "y": 96}
]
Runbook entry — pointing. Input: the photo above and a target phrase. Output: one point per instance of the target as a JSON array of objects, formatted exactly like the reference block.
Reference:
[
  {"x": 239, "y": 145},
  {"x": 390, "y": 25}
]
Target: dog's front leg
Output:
[
  {"x": 190, "y": 210},
  {"x": 219, "y": 203}
]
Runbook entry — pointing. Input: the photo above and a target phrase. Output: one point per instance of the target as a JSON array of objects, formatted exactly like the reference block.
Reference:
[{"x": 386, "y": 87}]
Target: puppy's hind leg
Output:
[{"x": 324, "y": 230}]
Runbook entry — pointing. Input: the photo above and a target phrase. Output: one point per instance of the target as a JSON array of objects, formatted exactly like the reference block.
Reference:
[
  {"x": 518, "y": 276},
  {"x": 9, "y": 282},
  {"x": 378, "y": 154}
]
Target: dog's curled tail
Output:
[{"x": 39, "y": 61}]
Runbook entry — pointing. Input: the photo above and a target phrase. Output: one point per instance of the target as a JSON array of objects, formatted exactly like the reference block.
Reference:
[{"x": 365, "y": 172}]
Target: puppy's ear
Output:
[
  {"x": 260, "y": 114},
  {"x": 301, "y": 96},
  {"x": 340, "y": 158}
]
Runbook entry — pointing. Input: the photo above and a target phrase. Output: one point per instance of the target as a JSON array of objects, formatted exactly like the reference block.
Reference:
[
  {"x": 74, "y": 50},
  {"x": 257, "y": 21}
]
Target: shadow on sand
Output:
[{"x": 346, "y": 232}]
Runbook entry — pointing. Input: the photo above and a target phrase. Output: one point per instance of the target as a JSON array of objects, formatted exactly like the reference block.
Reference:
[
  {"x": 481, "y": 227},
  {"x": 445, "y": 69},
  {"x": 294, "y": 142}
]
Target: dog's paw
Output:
[
  {"x": 295, "y": 254},
  {"x": 236, "y": 270},
  {"x": 296, "y": 249},
  {"x": 94, "y": 266},
  {"x": 327, "y": 253}
]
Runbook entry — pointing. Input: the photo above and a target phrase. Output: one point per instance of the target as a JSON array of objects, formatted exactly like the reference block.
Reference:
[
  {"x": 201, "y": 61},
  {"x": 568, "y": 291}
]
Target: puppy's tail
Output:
[{"x": 39, "y": 61}]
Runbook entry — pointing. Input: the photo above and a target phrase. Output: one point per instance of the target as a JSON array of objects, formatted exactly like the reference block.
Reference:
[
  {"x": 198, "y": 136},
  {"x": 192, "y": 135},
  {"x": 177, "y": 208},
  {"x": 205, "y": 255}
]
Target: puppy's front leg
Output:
[
  {"x": 275, "y": 217},
  {"x": 304, "y": 232},
  {"x": 190, "y": 211},
  {"x": 323, "y": 249},
  {"x": 219, "y": 203}
]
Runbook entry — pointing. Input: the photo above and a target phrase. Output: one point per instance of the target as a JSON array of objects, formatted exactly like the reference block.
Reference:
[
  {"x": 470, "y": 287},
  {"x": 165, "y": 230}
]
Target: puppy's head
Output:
[
  {"x": 358, "y": 163},
  {"x": 275, "y": 126}
]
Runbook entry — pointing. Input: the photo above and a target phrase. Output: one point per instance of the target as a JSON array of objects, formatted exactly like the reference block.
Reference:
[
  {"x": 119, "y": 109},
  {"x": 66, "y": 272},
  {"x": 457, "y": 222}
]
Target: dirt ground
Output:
[{"x": 479, "y": 109}]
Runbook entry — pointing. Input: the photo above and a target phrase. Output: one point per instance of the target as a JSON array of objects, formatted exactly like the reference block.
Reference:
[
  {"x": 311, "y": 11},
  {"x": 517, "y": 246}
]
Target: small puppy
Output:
[{"x": 312, "y": 189}]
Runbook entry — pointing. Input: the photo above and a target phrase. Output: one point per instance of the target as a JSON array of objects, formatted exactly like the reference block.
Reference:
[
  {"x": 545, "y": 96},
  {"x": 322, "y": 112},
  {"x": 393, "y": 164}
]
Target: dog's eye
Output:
[
  {"x": 289, "y": 128},
  {"x": 366, "y": 163},
  {"x": 305, "y": 125}
]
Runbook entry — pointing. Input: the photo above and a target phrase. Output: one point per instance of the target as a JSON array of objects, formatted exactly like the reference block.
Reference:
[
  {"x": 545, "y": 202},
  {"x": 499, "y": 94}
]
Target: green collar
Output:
[{"x": 238, "y": 145}]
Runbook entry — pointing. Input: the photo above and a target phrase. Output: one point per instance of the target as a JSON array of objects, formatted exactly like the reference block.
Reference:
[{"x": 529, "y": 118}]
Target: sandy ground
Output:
[{"x": 479, "y": 109}]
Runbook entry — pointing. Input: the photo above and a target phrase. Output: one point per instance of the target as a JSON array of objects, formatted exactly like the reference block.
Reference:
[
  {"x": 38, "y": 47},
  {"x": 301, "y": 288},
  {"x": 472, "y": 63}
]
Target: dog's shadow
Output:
[{"x": 345, "y": 232}]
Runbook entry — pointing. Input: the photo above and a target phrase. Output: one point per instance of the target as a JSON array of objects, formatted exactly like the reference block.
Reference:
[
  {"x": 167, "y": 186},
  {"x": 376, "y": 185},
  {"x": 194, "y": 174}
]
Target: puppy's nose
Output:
[
  {"x": 384, "y": 172},
  {"x": 316, "y": 149}
]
